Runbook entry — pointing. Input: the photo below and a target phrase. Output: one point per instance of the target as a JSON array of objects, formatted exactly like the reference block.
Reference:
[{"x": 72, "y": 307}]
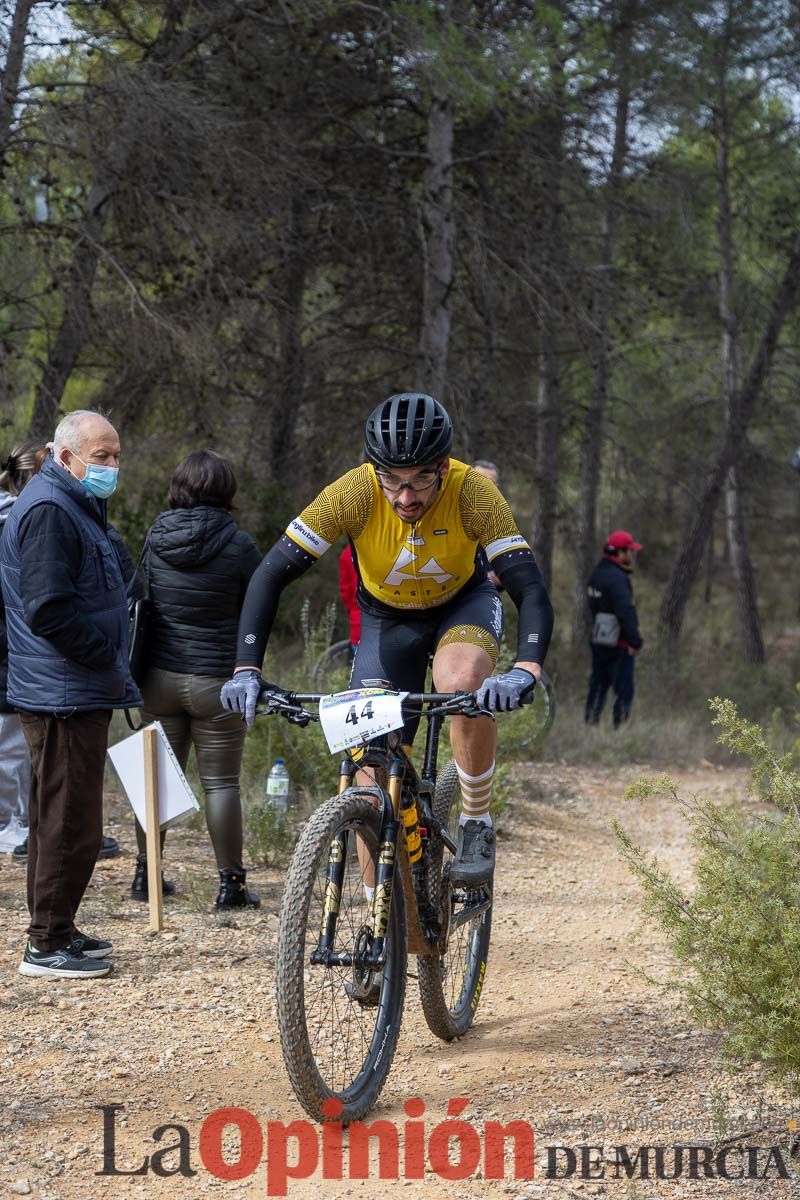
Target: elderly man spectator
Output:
[{"x": 67, "y": 621}]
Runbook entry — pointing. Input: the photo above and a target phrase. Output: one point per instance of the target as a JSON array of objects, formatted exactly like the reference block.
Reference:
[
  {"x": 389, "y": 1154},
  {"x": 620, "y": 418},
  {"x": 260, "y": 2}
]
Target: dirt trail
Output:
[{"x": 568, "y": 1038}]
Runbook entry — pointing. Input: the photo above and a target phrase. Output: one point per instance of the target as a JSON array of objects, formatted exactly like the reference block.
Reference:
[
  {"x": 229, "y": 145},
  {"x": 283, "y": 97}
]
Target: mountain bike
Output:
[{"x": 361, "y": 895}]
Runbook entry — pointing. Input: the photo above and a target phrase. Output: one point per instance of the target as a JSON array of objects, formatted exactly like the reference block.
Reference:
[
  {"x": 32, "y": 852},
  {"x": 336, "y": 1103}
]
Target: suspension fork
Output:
[
  {"x": 387, "y": 858},
  {"x": 334, "y": 878}
]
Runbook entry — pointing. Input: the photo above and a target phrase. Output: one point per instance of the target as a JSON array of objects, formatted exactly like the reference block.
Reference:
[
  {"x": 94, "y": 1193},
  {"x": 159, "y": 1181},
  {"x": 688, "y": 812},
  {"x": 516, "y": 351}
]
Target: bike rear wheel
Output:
[
  {"x": 451, "y": 981},
  {"x": 333, "y": 666},
  {"x": 333, "y": 1045}
]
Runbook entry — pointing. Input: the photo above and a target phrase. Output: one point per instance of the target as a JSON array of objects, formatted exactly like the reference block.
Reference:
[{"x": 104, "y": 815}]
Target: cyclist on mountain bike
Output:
[{"x": 416, "y": 518}]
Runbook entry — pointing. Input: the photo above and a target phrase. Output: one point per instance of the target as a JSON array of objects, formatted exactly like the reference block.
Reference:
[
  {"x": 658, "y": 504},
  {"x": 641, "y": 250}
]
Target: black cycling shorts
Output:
[{"x": 396, "y": 650}]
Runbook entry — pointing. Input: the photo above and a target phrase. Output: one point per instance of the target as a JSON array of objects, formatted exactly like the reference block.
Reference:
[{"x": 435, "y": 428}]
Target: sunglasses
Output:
[{"x": 420, "y": 483}]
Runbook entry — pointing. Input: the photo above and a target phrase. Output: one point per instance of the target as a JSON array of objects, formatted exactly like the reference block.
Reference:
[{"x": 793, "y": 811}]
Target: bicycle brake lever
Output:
[{"x": 299, "y": 716}]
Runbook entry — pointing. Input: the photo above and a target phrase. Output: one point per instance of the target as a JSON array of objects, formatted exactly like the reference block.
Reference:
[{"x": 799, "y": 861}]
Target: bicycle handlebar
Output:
[{"x": 292, "y": 704}]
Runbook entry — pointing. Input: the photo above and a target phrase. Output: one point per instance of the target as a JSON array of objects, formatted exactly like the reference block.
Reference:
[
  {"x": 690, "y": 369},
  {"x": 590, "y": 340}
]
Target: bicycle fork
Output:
[{"x": 372, "y": 940}]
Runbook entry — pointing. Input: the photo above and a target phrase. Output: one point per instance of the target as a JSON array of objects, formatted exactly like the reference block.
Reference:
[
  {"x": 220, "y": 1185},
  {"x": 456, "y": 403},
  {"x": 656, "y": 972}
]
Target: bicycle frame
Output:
[{"x": 397, "y": 767}]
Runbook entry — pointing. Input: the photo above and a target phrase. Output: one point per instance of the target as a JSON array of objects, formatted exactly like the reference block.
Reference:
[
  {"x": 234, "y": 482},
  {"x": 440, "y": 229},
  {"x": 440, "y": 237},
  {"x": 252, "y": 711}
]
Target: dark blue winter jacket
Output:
[{"x": 65, "y": 600}]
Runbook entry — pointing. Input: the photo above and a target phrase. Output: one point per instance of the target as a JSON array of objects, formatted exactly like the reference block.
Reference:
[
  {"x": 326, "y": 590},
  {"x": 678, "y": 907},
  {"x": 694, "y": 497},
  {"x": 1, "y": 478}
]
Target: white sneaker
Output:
[{"x": 11, "y": 835}]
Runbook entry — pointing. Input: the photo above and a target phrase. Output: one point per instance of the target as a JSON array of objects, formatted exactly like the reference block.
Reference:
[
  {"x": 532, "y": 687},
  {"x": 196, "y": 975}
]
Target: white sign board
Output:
[
  {"x": 175, "y": 798},
  {"x": 354, "y": 718}
]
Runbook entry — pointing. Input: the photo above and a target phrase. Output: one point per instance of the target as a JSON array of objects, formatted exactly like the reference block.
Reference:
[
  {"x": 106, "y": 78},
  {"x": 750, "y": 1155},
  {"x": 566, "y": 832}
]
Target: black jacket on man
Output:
[
  {"x": 198, "y": 564},
  {"x": 610, "y": 590}
]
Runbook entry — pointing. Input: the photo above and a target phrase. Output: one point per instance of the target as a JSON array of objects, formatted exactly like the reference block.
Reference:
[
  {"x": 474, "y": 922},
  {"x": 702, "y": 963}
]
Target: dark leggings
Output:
[{"x": 189, "y": 709}]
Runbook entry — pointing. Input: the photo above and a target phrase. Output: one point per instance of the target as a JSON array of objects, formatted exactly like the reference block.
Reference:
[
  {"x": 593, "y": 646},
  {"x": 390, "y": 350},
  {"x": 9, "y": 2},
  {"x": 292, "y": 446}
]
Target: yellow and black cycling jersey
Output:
[
  {"x": 411, "y": 566},
  {"x": 405, "y": 568}
]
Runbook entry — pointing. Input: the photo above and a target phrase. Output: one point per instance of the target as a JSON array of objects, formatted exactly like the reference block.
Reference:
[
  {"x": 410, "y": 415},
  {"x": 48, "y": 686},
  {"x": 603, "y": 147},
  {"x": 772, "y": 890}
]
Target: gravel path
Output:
[{"x": 569, "y": 1039}]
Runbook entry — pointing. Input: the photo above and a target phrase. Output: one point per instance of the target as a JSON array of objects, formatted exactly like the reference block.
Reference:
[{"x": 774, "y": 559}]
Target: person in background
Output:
[
  {"x": 615, "y": 637},
  {"x": 348, "y": 586},
  {"x": 197, "y": 564},
  {"x": 488, "y": 469},
  {"x": 15, "y": 763},
  {"x": 67, "y": 622}
]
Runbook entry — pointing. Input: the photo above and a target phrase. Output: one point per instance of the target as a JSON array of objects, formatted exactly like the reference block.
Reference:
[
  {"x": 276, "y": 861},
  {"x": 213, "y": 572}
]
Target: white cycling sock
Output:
[
  {"x": 476, "y": 796},
  {"x": 369, "y": 892}
]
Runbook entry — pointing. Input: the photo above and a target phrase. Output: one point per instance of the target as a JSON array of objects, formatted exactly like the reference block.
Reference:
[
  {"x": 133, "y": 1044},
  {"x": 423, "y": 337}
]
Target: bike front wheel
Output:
[
  {"x": 337, "y": 1038},
  {"x": 451, "y": 981}
]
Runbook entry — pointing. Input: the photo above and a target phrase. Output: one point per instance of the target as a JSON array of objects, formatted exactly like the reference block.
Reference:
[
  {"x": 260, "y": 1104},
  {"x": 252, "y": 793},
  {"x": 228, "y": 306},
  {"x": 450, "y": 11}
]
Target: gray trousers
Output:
[
  {"x": 189, "y": 709},
  {"x": 15, "y": 770}
]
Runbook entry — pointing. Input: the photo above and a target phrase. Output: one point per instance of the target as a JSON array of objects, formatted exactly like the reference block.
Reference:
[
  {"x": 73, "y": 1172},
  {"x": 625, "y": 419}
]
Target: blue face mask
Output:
[{"x": 99, "y": 481}]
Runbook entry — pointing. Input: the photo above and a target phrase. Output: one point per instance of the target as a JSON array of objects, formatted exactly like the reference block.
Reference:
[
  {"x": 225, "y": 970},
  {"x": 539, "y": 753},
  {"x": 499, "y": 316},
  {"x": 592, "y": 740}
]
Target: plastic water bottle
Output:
[{"x": 278, "y": 786}]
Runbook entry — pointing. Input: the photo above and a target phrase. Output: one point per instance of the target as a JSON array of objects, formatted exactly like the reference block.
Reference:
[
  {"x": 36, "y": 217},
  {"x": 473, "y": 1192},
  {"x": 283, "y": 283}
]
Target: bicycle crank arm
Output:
[{"x": 442, "y": 833}]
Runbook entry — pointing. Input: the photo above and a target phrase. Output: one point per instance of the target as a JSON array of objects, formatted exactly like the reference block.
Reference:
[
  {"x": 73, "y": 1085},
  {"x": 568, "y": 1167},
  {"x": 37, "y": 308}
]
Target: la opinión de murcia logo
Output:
[{"x": 453, "y": 1149}]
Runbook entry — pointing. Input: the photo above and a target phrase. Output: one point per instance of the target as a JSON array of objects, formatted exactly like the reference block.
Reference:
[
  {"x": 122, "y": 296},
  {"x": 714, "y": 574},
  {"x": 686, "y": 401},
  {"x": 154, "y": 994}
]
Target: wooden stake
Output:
[{"x": 153, "y": 828}]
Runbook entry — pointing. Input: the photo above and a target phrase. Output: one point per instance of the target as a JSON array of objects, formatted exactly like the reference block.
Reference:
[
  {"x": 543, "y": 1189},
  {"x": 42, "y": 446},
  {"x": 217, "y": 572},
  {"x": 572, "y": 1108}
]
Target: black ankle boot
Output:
[
  {"x": 233, "y": 893},
  {"x": 139, "y": 886}
]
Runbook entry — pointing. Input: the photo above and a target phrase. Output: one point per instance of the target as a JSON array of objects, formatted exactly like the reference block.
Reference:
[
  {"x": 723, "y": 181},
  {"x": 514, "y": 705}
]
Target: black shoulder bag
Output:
[{"x": 139, "y": 619}]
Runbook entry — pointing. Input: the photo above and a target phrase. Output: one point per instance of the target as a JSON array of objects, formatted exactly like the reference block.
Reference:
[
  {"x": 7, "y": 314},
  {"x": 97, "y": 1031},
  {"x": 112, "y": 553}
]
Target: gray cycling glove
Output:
[
  {"x": 240, "y": 694},
  {"x": 501, "y": 693}
]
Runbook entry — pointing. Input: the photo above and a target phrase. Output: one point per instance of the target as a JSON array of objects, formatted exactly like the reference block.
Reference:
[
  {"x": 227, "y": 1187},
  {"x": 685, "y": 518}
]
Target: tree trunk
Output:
[
  {"x": 751, "y": 640},
  {"x": 709, "y": 565},
  {"x": 548, "y": 413},
  {"x": 592, "y": 436},
  {"x": 172, "y": 46},
  {"x": 438, "y": 249},
  {"x": 481, "y": 390},
  {"x": 15, "y": 57},
  {"x": 551, "y": 305},
  {"x": 687, "y": 561},
  {"x": 290, "y": 347}
]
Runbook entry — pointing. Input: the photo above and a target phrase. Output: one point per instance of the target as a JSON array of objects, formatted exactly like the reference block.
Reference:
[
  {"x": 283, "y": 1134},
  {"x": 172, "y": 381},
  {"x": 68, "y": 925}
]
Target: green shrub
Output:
[
  {"x": 736, "y": 938},
  {"x": 270, "y": 834}
]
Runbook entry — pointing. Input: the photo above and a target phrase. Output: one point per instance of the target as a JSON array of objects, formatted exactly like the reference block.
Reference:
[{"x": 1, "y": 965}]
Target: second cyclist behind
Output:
[{"x": 416, "y": 520}]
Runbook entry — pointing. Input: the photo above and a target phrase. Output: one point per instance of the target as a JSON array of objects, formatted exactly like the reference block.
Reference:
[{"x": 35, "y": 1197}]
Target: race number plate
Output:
[{"x": 354, "y": 718}]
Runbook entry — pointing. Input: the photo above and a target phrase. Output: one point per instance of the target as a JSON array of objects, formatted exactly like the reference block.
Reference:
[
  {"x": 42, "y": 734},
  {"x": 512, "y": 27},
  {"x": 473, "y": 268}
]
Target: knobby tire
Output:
[
  {"x": 451, "y": 981},
  {"x": 336, "y": 1048}
]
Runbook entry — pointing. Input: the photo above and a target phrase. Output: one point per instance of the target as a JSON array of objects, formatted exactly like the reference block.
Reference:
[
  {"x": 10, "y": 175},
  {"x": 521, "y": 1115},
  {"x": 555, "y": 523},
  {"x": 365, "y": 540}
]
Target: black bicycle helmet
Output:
[{"x": 410, "y": 429}]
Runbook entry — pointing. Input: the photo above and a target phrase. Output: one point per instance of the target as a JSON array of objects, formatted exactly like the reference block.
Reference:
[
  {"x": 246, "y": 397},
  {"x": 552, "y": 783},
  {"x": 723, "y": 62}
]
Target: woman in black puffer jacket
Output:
[{"x": 198, "y": 564}]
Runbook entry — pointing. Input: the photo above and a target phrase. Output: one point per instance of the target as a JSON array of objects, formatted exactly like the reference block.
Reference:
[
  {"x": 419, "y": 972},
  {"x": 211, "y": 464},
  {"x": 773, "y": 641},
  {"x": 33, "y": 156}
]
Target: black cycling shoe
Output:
[
  {"x": 474, "y": 862},
  {"x": 139, "y": 889},
  {"x": 233, "y": 892}
]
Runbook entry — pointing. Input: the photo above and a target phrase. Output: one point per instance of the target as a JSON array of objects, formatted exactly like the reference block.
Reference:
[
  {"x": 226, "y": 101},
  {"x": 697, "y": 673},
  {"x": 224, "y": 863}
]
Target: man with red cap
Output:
[{"x": 615, "y": 637}]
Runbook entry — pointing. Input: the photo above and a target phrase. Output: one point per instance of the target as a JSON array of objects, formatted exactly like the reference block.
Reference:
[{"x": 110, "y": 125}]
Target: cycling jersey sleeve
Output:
[
  {"x": 524, "y": 583},
  {"x": 282, "y": 564},
  {"x": 486, "y": 516},
  {"x": 343, "y": 507}
]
